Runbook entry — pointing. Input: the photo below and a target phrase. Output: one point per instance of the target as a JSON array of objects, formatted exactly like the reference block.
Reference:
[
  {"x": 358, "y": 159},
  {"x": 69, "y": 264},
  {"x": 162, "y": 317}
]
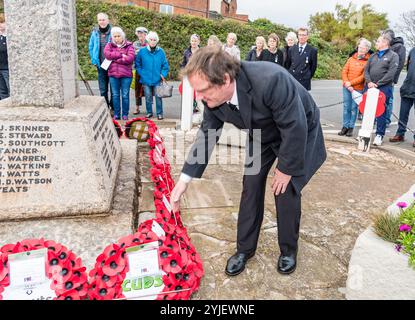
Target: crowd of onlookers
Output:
[
  {"x": 366, "y": 69},
  {"x": 118, "y": 61}
]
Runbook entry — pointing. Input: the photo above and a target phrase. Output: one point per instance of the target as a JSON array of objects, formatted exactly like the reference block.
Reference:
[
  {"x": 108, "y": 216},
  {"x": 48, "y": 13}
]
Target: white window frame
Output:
[{"x": 166, "y": 8}]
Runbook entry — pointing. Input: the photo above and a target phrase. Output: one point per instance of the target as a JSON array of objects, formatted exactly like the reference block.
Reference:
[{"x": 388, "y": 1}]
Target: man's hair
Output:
[
  {"x": 103, "y": 14},
  {"x": 386, "y": 37},
  {"x": 390, "y": 32},
  {"x": 213, "y": 63},
  {"x": 303, "y": 29}
]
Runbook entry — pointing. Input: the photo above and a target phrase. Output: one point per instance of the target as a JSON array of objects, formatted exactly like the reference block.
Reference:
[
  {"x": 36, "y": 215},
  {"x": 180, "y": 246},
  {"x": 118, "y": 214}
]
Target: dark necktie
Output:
[
  {"x": 233, "y": 107},
  {"x": 301, "y": 50}
]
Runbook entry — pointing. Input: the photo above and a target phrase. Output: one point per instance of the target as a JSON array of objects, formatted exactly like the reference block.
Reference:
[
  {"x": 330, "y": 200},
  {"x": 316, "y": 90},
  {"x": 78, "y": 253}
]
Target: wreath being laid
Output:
[{"x": 177, "y": 257}]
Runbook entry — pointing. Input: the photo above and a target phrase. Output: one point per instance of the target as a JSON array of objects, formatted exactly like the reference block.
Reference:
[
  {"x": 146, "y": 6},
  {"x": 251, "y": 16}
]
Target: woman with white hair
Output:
[
  {"x": 353, "y": 80},
  {"x": 230, "y": 46},
  {"x": 257, "y": 52},
  {"x": 153, "y": 68},
  {"x": 194, "y": 46},
  {"x": 291, "y": 39},
  {"x": 121, "y": 54}
]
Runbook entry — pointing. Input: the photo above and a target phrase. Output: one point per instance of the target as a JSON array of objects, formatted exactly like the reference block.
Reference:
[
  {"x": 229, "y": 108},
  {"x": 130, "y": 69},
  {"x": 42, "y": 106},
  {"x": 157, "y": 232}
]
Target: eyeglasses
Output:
[{"x": 302, "y": 35}]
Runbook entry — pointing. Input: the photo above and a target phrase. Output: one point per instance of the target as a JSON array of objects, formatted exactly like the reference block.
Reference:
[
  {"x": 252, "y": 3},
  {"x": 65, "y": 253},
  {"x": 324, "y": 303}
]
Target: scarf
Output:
[{"x": 104, "y": 30}]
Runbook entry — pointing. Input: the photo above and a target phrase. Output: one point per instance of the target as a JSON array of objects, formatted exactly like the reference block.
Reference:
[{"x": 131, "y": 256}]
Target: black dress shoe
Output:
[
  {"x": 343, "y": 131},
  {"x": 287, "y": 264},
  {"x": 236, "y": 263}
]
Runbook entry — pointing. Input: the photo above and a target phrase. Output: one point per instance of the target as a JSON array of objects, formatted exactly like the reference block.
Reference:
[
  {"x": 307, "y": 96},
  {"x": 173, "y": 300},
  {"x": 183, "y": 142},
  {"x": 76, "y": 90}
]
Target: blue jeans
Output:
[
  {"x": 103, "y": 82},
  {"x": 121, "y": 85},
  {"x": 4, "y": 84},
  {"x": 349, "y": 109},
  {"x": 382, "y": 120},
  {"x": 406, "y": 106},
  {"x": 148, "y": 92},
  {"x": 389, "y": 109}
]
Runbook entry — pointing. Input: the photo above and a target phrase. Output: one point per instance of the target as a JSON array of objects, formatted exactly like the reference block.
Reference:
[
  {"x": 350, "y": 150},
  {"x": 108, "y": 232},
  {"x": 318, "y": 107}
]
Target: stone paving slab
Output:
[{"x": 337, "y": 206}]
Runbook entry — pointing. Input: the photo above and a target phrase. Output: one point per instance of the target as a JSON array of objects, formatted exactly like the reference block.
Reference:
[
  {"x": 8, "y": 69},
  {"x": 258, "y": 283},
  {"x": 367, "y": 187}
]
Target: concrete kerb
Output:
[
  {"x": 404, "y": 154},
  {"x": 376, "y": 270}
]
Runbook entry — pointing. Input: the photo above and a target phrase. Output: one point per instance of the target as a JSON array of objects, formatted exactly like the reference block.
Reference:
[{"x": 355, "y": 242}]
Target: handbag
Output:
[{"x": 164, "y": 90}]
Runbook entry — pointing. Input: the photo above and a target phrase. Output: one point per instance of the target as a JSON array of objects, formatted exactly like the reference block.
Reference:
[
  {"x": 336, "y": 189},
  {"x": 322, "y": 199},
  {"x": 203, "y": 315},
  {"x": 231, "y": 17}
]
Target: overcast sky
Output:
[{"x": 296, "y": 13}]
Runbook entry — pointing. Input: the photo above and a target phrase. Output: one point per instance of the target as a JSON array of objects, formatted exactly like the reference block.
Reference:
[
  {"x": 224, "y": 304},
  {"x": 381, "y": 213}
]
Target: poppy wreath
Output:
[
  {"x": 177, "y": 258},
  {"x": 68, "y": 275},
  {"x": 137, "y": 128}
]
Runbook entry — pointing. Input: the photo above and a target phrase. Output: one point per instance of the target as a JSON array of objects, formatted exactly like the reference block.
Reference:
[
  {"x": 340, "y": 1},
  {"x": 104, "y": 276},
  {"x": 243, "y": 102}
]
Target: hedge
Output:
[{"x": 175, "y": 30}]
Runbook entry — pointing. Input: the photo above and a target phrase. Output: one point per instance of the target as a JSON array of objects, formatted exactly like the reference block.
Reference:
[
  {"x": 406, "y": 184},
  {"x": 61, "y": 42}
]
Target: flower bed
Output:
[{"x": 406, "y": 240}]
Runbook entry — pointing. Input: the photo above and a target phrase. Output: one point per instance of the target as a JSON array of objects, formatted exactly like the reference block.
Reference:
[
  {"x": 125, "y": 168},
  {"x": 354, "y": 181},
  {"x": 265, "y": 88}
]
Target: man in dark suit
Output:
[
  {"x": 282, "y": 121},
  {"x": 302, "y": 60}
]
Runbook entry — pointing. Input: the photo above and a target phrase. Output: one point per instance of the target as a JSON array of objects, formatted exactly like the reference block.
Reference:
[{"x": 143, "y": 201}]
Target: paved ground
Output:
[
  {"x": 336, "y": 208},
  {"x": 323, "y": 91}
]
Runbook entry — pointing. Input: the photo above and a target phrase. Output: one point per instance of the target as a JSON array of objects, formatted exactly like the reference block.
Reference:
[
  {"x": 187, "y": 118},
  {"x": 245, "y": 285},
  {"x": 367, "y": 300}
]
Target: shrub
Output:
[{"x": 175, "y": 31}]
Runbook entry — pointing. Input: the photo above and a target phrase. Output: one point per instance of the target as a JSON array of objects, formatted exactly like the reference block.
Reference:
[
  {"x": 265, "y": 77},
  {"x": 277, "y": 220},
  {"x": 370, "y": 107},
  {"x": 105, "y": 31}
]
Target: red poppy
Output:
[
  {"x": 172, "y": 244},
  {"x": 99, "y": 291},
  {"x": 173, "y": 263},
  {"x": 8, "y": 248},
  {"x": 32, "y": 244},
  {"x": 53, "y": 246},
  {"x": 111, "y": 250},
  {"x": 126, "y": 241},
  {"x": 114, "y": 265},
  {"x": 70, "y": 295}
]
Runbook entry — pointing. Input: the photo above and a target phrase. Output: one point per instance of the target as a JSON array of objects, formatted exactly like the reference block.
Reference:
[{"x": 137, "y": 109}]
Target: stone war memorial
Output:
[{"x": 59, "y": 152}]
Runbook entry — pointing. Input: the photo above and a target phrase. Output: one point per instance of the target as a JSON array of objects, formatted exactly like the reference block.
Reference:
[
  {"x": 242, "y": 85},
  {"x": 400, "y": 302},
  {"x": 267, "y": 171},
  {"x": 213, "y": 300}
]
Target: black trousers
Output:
[{"x": 251, "y": 210}]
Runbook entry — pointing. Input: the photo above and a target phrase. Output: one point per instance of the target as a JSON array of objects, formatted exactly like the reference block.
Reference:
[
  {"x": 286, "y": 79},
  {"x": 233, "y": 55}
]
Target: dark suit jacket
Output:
[
  {"x": 303, "y": 66},
  {"x": 273, "y": 101}
]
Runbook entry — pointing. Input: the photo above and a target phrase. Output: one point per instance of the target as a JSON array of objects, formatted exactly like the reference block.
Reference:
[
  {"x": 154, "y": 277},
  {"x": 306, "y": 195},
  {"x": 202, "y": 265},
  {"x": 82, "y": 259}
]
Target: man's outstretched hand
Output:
[
  {"x": 280, "y": 182},
  {"x": 176, "y": 194}
]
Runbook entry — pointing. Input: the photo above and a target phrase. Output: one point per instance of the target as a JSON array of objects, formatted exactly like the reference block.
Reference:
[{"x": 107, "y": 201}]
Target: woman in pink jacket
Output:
[{"x": 121, "y": 54}]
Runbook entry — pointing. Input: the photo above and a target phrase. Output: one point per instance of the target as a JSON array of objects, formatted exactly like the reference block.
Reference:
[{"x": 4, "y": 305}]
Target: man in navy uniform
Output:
[
  {"x": 259, "y": 97},
  {"x": 302, "y": 60}
]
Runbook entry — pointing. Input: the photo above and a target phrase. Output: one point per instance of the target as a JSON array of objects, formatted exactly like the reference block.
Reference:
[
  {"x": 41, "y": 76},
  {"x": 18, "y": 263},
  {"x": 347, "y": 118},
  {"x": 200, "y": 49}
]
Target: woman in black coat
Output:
[
  {"x": 273, "y": 53},
  {"x": 257, "y": 53}
]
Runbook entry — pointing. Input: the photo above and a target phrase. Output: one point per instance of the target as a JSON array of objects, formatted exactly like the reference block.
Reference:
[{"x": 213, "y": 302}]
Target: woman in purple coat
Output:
[{"x": 121, "y": 54}]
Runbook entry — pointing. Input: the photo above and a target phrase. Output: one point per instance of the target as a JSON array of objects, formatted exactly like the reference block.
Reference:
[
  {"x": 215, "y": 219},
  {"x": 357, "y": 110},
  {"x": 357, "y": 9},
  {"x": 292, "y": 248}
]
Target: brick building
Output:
[{"x": 202, "y": 8}]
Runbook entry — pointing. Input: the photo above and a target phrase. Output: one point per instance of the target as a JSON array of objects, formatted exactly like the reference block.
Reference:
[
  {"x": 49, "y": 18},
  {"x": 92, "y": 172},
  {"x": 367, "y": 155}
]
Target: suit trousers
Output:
[{"x": 251, "y": 210}]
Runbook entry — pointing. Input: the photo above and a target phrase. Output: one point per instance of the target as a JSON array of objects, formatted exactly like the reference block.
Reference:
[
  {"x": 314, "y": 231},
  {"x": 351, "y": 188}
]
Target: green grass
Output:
[{"x": 386, "y": 226}]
